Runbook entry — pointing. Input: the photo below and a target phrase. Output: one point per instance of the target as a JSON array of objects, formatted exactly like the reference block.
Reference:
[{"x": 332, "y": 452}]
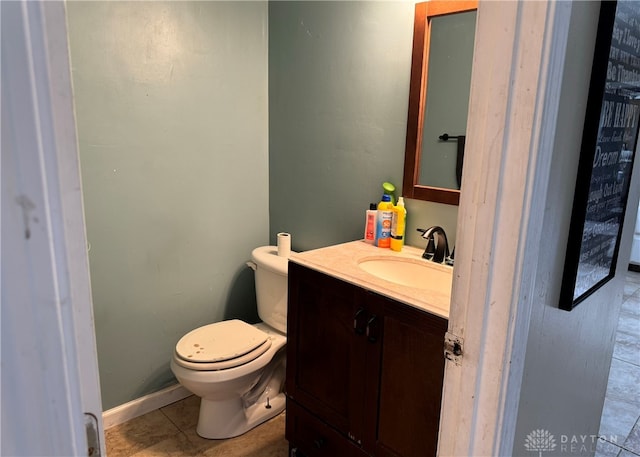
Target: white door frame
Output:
[
  {"x": 517, "y": 75},
  {"x": 49, "y": 360}
]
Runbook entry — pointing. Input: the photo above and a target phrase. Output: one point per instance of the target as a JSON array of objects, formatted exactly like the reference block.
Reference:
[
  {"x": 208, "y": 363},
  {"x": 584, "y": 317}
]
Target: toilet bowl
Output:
[{"x": 238, "y": 369}]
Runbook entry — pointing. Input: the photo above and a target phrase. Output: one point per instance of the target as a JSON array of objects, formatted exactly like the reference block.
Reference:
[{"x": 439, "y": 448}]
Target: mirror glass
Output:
[
  {"x": 447, "y": 97},
  {"x": 439, "y": 98}
]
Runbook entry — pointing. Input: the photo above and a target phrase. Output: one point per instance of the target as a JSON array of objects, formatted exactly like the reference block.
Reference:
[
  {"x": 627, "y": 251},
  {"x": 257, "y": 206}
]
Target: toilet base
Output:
[{"x": 221, "y": 419}]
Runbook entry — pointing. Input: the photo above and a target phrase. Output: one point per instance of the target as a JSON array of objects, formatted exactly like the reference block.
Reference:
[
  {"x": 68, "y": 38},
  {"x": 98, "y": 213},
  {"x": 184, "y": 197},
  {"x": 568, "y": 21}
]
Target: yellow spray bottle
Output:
[{"x": 398, "y": 224}]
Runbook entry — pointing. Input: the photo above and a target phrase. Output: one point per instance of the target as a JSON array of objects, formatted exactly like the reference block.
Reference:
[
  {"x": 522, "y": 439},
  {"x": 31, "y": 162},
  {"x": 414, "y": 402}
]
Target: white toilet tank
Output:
[{"x": 271, "y": 286}]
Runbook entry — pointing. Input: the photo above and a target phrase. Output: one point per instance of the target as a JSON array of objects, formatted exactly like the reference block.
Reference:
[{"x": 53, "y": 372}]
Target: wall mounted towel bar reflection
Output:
[{"x": 460, "y": 157}]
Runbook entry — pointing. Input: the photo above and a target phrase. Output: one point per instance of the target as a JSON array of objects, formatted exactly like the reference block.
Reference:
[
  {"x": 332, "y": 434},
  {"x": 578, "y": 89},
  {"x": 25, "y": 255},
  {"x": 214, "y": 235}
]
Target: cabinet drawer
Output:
[{"x": 313, "y": 438}]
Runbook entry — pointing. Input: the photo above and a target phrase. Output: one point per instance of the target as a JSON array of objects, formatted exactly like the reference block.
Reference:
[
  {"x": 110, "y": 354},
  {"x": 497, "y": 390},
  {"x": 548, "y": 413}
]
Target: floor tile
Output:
[
  {"x": 606, "y": 449},
  {"x": 633, "y": 440},
  {"x": 625, "y": 453},
  {"x": 624, "y": 382},
  {"x": 175, "y": 446},
  {"x": 184, "y": 413},
  {"x": 631, "y": 283},
  {"x": 618, "y": 418},
  {"x": 627, "y": 347},
  {"x": 204, "y": 444},
  {"x": 632, "y": 276},
  {"x": 138, "y": 434},
  {"x": 632, "y": 305},
  {"x": 630, "y": 288},
  {"x": 267, "y": 440},
  {"x": 622, "y": 403},
  {"x": 629, "y": 323}
]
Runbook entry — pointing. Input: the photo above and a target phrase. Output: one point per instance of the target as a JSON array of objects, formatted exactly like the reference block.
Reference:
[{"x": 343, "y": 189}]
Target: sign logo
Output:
[{"x": 540, "y": 441}]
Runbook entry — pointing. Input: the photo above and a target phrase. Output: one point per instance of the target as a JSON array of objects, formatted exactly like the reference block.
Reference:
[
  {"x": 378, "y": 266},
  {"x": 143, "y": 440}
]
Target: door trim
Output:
[
  {"x": 50, "y": 379},
  {"x": 517, "y": 75}
]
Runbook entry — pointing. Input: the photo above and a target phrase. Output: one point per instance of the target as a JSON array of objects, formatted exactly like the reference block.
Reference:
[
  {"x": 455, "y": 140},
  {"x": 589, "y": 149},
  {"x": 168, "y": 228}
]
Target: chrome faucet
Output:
[{"x": 437, "y": 249}]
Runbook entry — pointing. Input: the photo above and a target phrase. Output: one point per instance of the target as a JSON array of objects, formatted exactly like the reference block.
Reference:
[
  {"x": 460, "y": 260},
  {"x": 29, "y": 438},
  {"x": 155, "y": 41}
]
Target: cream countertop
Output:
[{"x": 341, "y": 261}]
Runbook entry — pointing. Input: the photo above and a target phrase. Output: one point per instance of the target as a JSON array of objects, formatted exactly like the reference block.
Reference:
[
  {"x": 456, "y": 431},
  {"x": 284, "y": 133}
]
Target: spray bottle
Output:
[{"x": 398, "y": 224}]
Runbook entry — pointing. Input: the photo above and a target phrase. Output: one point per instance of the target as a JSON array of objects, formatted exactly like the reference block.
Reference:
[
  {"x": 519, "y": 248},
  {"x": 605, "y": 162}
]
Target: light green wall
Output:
[{"x": 171, "y": 103}]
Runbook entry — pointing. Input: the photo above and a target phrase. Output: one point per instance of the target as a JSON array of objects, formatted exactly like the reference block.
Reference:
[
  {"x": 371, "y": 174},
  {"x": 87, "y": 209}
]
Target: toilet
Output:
[{"x": 236, "y": 368}]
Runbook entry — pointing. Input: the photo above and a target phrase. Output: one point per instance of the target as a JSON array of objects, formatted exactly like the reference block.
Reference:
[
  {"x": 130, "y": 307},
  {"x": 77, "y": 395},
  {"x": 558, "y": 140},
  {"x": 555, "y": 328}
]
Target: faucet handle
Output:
[
  {"x": 449, "y": 259},
  {"x": 430, "y": 251}
]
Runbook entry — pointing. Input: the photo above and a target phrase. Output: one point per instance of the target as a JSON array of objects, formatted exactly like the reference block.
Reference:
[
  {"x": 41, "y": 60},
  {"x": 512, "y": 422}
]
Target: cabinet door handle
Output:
[
  {"x": 359, "y": 321},
  {"x": 319, "y": 442},
  {"x": 373, "y": 329}
]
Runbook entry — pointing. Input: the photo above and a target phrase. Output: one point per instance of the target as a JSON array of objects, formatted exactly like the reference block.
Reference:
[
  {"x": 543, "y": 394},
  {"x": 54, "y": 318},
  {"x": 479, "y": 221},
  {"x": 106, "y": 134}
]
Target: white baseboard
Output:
[{"x": 143, "y": 405}]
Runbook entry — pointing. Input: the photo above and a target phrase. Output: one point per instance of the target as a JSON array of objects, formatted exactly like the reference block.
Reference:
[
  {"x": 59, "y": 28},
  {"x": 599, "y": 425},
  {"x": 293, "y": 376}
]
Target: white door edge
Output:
[
  {"x": 49, "y": 373},
  {"x": 520, "y": 48}
]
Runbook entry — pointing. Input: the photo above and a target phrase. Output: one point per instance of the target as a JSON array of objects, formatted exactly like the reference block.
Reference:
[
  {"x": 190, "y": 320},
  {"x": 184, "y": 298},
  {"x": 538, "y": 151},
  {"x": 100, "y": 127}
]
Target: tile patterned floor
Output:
[
  {"x": 171, "y": 431},
  {"x": 620, "y": 424}
]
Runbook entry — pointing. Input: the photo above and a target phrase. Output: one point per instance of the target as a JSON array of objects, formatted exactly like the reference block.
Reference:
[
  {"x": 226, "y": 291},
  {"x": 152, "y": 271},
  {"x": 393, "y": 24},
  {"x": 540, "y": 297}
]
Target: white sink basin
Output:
[{"x": 410, "y": 272}]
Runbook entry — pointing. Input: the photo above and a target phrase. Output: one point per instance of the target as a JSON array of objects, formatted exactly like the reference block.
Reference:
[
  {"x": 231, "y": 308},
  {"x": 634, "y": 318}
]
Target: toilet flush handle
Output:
[{"x": 252, "y": 265}]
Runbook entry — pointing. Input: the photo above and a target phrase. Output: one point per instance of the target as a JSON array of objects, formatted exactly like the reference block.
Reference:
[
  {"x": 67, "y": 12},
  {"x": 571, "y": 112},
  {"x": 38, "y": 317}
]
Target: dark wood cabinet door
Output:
[
  {"x": 409, "y": 393},
  {"x": 325, "y": 353},
  {"x": 363, "y": 365}
]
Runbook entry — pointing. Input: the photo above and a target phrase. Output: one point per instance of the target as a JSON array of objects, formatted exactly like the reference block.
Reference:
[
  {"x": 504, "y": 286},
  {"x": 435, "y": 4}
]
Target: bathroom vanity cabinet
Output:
[{"x": 364, "y": 372}]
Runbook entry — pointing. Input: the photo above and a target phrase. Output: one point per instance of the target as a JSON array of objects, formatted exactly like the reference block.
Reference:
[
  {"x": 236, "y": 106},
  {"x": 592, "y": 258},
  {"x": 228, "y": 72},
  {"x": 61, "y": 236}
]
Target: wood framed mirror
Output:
[{"x": 425, "y": 13}]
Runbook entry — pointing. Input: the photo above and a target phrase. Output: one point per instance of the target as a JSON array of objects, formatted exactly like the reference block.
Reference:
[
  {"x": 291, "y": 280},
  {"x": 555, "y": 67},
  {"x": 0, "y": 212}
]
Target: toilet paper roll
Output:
[{"x": 284, "y": 245}]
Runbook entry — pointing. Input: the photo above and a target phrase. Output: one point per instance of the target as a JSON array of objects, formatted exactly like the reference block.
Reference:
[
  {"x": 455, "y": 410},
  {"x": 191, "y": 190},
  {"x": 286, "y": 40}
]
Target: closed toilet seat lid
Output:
[
  {"x": 221, "y": 342},
  {"x": 225, "y": 364}
]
